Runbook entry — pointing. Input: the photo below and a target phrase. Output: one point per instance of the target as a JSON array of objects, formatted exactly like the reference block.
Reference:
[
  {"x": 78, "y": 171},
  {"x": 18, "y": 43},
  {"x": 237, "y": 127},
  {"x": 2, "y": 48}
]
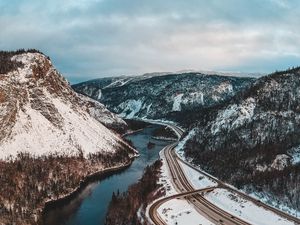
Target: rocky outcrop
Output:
[{"x": 40, "y": 113}]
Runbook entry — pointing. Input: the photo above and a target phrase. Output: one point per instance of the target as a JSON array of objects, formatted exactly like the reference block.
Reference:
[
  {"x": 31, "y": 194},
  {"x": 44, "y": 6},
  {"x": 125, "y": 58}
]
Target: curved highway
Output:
[{"x": 202, "y": 205}]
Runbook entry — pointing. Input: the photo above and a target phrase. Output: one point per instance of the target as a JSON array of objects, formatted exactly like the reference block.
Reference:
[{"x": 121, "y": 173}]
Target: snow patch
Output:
[
  {"x": 244, "y": 209},
  {"x": 280, "y": 162},
  {"x": 224, "y": 87},
  {"x": 35, "y": 134},
  {"x": 99, "y": 94},
  {"x": 148, "y": 108},
  {"x": 130, "y": 108},
  {"x": 180, "y": 212},
  {"x": 295, "y": 154},
  {"x": 193, "y": 97},
  {"x": 234, "y": 116},
  {"x": 177, "y": 102},
  {"x": 118, "y": 83},
  {"x": 197, "y": 179}
]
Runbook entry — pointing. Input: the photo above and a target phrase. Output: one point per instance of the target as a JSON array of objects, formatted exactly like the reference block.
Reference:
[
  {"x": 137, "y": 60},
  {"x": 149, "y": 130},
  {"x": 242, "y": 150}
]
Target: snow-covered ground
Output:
[
  {"x": 269, "y": 199},
  {"x": 244, "y": 209},
  {"x": 198, "y": 180},
  {"x": 132, "y": 106},
  {"x": 48, "y": 117},
  {"x": 234, "y": 116},
  {"x": 180, "y": 212},
  {"x": 35, "y": 134},
  {"x": 232, "y": 203},
  {"x": 165, "y": 178}
]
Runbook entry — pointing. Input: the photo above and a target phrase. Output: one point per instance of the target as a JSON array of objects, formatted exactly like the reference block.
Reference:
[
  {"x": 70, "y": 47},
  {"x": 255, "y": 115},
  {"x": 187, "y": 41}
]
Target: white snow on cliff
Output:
[
  {"x": 177, "y": 102},
  {"x": 224, "y": 87},
  {"x": 234, "y": 116},
  {"x": 48, "y": 116},
  {"x": 131, "y": 108},
  {"x": 35, "y": 134}
]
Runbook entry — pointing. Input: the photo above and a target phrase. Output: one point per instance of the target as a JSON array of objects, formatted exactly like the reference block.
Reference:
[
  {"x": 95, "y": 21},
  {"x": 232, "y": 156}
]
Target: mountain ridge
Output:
[
  {"x": 156, "y": 97},
  {"x": 38, "y": 94}
]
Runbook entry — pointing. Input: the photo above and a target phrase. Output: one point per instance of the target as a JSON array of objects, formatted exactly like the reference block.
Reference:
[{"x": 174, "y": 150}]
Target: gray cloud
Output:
[{"x": 93, "y": 38}]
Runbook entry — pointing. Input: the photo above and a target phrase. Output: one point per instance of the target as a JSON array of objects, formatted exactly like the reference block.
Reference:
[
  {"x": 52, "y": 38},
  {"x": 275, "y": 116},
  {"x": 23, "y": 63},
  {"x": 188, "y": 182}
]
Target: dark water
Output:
[{"x": 90, "y": 206}]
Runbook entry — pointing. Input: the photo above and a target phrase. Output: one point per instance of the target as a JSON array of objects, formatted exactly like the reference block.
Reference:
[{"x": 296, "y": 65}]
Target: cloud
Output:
[{"x": 89, "y": 39}]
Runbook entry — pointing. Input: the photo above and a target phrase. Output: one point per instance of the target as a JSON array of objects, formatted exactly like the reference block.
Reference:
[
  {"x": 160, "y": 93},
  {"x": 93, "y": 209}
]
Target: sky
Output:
[{"x": 89, "y": 39}]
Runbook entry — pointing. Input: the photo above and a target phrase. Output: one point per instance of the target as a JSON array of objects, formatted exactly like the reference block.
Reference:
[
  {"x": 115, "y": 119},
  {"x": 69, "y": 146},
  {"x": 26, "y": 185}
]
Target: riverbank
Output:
[
  {"x": 89, "y": 206},
  {"x": 134, "y": 126},
  {"x": 123, "y": 207},
  {"x": 96, "y": 176},
  {"x": 130, "y": 207},
  {"x": 30, "y": 184}
]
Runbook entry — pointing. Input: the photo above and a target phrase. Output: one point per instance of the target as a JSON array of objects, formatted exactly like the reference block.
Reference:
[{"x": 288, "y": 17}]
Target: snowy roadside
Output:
[
  {"x": 270, "y": 200},
  {"x": 230, "y": 202},
  {"x": 197, "y": 180},
  {"x": 242, "y": 208},
  {"x": 173, "y": 211},
  {"x": 180, "y": 212},
  {"x": 265, "y": 198}
]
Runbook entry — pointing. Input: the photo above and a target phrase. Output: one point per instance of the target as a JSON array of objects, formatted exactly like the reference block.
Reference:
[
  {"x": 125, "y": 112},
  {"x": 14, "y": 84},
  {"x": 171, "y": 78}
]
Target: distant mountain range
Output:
[{"x": 157, "y": 96}]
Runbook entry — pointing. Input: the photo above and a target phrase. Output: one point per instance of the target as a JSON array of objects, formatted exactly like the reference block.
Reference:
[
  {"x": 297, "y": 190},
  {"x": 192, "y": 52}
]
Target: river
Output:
[{"x": 90, "y": 206}]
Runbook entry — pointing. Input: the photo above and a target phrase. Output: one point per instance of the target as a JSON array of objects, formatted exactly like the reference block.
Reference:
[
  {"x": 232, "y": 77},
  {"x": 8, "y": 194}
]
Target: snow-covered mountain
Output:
[
  {"x": 158, "y": 96},
  {"x": 41, "y": 114},
  {"x": 264, "y": 114},
  {"x": 254, "y": 139}
]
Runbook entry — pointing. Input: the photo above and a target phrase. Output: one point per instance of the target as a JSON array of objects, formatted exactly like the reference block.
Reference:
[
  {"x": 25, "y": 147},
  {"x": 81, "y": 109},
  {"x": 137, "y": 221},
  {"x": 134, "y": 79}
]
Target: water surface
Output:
[{"x": 90, "y": 206}]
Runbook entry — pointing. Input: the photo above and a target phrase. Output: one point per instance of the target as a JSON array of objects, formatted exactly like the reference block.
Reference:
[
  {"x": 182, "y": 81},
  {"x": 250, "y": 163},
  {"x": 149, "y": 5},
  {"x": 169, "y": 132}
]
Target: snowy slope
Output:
[
  {"x": 252, "y": 140},
  {"x": 43, "y": 115},
  {"x": 156, "y": 96}
]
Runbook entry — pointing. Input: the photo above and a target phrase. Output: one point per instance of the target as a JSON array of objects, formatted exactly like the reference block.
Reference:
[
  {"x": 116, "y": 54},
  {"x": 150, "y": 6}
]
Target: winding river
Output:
[{"x": 90, "y": 206}]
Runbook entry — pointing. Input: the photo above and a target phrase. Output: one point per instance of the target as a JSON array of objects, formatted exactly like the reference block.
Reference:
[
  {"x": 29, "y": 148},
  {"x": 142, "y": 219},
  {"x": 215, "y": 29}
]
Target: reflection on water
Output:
[{"x": 90, "y": 206}]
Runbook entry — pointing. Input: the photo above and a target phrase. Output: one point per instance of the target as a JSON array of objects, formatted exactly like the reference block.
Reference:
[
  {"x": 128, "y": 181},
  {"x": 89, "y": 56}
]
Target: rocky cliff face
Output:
[
  {"x": 158, "y": 96},
  {"x": 41, "y": 114},
  {"x": 51, "y": 138}
]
